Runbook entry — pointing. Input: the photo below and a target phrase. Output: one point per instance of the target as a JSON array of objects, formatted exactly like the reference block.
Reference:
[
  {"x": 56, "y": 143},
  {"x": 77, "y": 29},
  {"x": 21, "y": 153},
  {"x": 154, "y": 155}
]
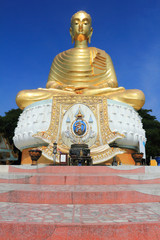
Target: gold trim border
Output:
[{"x": 98, "y": 105}]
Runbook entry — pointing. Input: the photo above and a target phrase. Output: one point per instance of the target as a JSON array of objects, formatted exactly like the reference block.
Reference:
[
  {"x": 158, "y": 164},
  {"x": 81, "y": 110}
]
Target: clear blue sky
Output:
[{"x": 33, "y": 32}]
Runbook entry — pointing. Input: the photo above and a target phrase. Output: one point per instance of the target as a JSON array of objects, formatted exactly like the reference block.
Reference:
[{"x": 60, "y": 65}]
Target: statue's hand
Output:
[
  {"x": 42, "y": 89},
  {"x": 102, "y": 91},
  {"x": 69, "y": 88},
  {"x": 47, "y": 89}
]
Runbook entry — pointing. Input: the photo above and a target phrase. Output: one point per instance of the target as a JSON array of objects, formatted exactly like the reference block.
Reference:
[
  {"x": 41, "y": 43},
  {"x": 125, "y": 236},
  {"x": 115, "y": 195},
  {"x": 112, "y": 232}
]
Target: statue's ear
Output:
[
  {"x": 90, "y": 35},
  {"x": 70, "y": 30},
  {"x": 71, "y": 33}
]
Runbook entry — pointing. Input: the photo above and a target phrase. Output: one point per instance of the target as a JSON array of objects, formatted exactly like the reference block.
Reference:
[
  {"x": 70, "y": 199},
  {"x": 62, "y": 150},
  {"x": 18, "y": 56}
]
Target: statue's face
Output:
[{"x": 81, "y": 26}]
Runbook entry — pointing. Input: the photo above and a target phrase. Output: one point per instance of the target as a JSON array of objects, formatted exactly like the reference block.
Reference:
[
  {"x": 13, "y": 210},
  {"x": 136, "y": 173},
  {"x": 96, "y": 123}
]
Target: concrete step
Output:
[
  {"x": 80, "y": 222},
  {"x": 79, "y": 194},
  {"x": 79, "y": 178},
  {"x": 76, "y": 169}
]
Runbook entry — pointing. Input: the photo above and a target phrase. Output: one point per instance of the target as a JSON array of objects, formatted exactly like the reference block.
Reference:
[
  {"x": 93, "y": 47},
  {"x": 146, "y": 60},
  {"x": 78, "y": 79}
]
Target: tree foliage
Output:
[
  {"x": 8, "y": 124},
  {"x": 152, "y": 128}
]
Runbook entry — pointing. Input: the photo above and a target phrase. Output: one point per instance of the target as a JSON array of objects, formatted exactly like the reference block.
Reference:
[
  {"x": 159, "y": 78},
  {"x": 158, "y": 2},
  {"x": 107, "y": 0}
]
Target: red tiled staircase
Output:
[{"x": 79, "y": 203}]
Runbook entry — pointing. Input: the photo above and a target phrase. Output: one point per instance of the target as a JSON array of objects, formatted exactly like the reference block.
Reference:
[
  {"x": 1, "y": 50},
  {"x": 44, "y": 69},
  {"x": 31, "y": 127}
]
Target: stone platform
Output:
[
  {"x": 75, "y": 203},
  {"x": 104, "y": 122}
]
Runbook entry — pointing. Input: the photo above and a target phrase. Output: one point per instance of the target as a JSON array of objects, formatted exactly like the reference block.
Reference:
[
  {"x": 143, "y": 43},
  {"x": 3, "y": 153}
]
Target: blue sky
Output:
[{"x": 33, "y": 32}]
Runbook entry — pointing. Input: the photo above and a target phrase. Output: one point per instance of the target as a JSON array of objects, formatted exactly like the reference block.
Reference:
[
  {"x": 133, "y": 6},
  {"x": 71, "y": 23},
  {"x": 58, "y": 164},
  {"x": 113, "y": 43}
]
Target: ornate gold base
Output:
[{"x": 124, "y": 158}]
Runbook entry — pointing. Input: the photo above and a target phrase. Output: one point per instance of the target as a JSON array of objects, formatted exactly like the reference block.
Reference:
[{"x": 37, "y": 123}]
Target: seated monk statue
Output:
[{"x": 82, "y": 70}]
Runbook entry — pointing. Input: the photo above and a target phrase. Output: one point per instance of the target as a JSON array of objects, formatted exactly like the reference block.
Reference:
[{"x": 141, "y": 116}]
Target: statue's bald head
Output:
[
  {"x": 81, "y": 15},
  {"x": 81, "y": 29}
]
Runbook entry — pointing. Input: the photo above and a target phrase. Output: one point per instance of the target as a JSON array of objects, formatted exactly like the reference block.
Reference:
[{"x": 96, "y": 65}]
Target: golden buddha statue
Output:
[{"x": 82, "y": 70}]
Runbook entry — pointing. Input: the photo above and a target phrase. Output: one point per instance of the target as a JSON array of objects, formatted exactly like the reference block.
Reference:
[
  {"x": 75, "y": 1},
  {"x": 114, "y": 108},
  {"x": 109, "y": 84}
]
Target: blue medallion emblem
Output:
[{"x": 79, "y": 127}]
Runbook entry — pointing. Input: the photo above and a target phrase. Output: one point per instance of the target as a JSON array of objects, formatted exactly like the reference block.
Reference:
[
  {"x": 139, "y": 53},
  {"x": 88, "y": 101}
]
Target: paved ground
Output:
[
  {"x": 84, "y": 214},
  {"x": 79, "y": 203}
]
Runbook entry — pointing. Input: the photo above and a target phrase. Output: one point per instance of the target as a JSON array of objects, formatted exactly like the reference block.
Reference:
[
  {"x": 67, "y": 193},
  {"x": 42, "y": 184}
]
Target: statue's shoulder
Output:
[{"x": 100, "y": 52}]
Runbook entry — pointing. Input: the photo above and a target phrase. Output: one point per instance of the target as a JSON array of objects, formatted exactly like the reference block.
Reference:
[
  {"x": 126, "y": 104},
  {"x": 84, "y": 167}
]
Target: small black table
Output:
[{"x": 80, "y": 155}]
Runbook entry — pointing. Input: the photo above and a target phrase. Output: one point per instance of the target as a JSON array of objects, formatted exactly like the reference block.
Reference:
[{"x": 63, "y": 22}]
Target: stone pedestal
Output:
[{"x": 96, "y": 121}]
